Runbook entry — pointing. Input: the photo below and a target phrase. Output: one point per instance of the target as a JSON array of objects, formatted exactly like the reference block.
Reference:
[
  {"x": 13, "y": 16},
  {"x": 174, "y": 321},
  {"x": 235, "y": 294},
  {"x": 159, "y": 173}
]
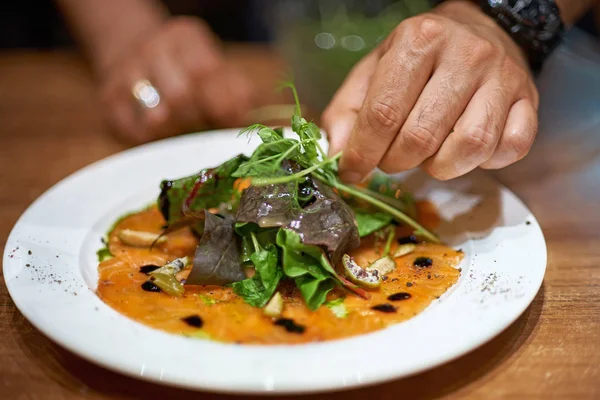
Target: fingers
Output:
[
  {"x": 439, "y": 106},
  {"x": 395, "y": 87},
  {"x": 340, "y": 116},
  {"x": 195, "y": 85},
  {"x": 476, "y": 134},
  {"x": 120, "y": 105},
  {"x": 174, "y": 86},
  {"x": 518, "y": 136}
]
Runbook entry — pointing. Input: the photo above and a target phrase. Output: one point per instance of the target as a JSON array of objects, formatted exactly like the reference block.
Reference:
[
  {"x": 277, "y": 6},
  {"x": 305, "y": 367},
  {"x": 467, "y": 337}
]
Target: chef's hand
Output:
[
  {"x": 447, "y": 90},
  {"x": 181, "y": 59}
]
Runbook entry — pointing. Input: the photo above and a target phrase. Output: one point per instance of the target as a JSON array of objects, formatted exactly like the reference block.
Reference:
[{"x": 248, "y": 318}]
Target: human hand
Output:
[
  {"x": 447, "y": 90},
  {"x": 197, "y": 87}
]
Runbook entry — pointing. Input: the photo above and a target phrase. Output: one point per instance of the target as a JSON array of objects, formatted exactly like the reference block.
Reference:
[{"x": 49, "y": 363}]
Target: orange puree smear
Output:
[{"x": 228, "y": 318}]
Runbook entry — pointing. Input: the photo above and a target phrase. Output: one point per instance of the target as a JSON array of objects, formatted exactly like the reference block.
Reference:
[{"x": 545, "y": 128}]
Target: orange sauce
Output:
[{"x": 228, "y": 318}]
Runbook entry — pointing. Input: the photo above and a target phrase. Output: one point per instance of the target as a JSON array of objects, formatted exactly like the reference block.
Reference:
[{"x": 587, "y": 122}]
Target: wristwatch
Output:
[{"x": 535, "y": 25}]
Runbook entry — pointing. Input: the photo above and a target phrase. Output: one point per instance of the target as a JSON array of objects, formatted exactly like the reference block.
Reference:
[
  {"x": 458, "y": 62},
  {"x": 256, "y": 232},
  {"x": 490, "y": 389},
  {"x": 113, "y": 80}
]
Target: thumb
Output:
[{"x": 338, "y": 127}]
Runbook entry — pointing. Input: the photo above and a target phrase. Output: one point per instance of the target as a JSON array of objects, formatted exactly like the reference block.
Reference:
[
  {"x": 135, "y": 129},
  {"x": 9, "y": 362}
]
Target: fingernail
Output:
[{"x": 350, "y": 177}]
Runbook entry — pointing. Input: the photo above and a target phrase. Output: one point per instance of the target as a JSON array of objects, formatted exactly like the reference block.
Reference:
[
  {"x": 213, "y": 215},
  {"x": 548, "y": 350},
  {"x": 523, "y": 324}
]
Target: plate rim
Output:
[{"x": 121, "y": 368}]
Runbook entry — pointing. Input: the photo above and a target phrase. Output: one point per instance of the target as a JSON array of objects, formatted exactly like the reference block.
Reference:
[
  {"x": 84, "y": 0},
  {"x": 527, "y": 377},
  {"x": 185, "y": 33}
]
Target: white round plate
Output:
[{"x": 50, "y": 268}]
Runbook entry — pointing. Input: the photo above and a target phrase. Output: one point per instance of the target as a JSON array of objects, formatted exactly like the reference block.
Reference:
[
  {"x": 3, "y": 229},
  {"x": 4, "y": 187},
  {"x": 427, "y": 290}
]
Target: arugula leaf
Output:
[
  {"x": 371, "y": 222},
  {"x": 308, "y": 265},
  {"x": 217, "y": 259},
  {"x": 216, "y": 187},
  {"x": 257, "y": 290}
]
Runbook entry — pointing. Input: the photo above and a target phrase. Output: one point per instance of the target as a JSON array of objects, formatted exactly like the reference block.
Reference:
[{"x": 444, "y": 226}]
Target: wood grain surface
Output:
[{"x": 50, "y": 126}]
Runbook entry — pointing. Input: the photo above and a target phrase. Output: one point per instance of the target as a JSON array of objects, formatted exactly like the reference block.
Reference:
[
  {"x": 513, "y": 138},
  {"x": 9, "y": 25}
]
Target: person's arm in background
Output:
[
  {"x": 448, "y": 90},
  {"x": 135, "y": 40}
]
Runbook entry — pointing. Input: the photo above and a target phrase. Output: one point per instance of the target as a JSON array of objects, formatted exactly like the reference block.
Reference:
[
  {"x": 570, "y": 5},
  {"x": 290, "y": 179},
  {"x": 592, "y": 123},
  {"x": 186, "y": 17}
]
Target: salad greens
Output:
[
  {"x": 217, "y": 260},
  {"x": 292, "y": 221},
  {"x": 258, "y": 290},
  {"x": 210, "y": 188}
]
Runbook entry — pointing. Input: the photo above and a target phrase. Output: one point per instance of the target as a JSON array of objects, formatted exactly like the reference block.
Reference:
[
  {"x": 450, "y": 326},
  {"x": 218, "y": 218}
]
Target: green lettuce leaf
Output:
[
  {"x": 257, "y": 290},
  {"x": 371, "y": 222},
  {"x": 309, "y": 266}
]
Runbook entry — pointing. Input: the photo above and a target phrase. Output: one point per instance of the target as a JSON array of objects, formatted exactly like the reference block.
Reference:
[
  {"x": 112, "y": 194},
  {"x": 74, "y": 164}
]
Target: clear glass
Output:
[{"x": 323, "y": 39}]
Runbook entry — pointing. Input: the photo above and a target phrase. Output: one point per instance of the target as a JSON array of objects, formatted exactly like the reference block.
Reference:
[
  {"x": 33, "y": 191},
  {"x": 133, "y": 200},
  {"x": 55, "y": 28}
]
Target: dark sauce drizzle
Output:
[
  {"x": 399, "y": 296},
  {"x": 193, "y": 320},
  {"x": 150, "y": 287},
  {"x": 290, "y": 325},
  {"x": 164, "y": 203},
  {"x": 146, "y": 269},
  {"x": 423, "y": 262},
  {"x": 384, "y": 308},
  {"x": 408, "y": 239}
]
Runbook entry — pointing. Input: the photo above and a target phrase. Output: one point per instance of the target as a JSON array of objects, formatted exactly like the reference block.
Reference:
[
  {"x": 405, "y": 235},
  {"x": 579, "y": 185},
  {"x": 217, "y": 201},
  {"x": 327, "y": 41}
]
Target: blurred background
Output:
[{"x": 319, "y": 39}]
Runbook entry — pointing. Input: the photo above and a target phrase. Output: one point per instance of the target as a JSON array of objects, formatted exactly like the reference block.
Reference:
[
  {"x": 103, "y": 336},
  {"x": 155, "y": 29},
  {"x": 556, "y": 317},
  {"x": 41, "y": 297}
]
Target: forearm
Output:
[{"x": 106, "y": 27}]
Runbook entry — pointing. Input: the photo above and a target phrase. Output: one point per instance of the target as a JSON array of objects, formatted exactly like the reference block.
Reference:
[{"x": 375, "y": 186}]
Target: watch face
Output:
[{"x": 534, "y": 24}]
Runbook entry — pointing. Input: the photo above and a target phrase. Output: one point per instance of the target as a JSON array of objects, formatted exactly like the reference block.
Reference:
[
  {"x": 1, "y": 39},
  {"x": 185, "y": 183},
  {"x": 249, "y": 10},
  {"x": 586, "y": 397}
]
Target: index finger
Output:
[
  {"x": 340, "y": 115},
  {"x": 399, "y": 78}
]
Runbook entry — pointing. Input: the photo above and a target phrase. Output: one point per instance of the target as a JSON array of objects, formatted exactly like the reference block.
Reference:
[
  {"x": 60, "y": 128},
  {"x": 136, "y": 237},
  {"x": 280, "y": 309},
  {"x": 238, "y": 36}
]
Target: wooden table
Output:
[{"x": 50, "y": 127}]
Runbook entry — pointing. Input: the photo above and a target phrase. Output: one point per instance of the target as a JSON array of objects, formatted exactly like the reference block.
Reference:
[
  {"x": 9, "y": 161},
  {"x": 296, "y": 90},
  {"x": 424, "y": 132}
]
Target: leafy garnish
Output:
[
  {"x": 257, "y": 290},
  {"x": 308, "y": 266},
  {"x": 315, "y": 163},
  {"x": 337, "y": 307},
  {"x": 207, "y": 189},
  {"x": 371, "y": 222},
  {"x": 104, "y": 254},
  {"x": 324, "y": 220},
  {"x": 217, "y": 259},
  {"x": 294, "y": 219}
]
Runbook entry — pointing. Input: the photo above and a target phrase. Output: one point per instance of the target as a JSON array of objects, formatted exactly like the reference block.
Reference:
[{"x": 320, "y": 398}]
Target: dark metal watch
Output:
[{"x": 533, "y": 24}]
